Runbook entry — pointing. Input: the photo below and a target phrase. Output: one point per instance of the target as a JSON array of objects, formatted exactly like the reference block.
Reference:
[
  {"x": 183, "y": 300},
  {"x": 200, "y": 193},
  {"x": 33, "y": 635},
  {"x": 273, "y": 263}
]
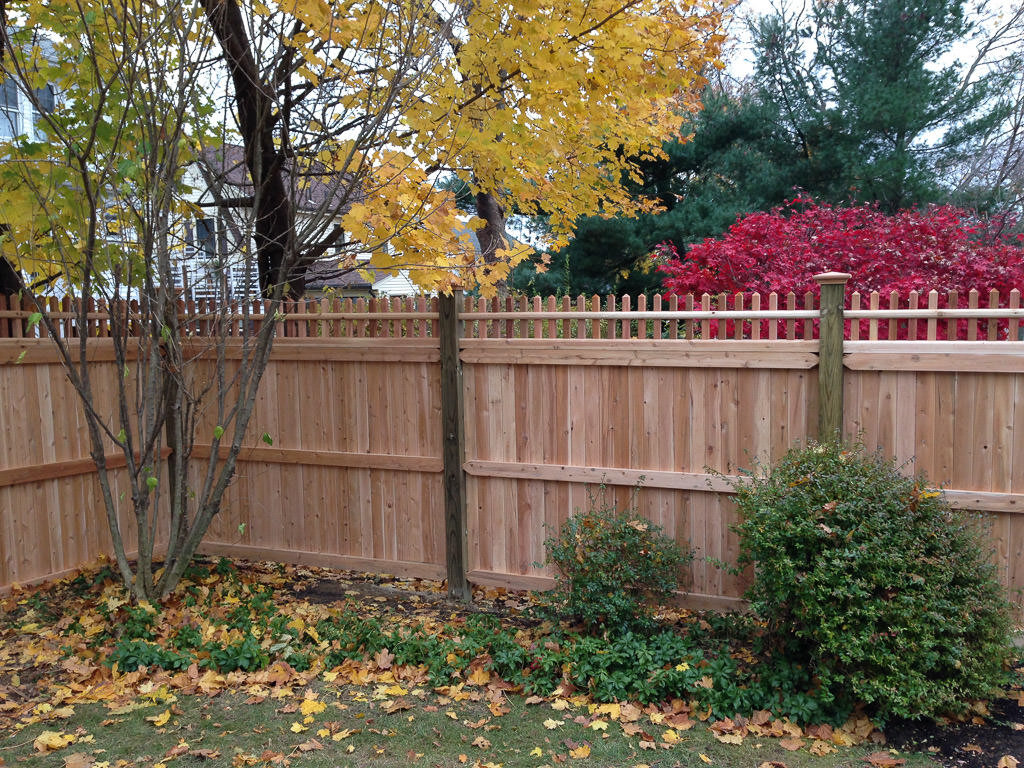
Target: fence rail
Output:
[{"x": 551, "y": 396}]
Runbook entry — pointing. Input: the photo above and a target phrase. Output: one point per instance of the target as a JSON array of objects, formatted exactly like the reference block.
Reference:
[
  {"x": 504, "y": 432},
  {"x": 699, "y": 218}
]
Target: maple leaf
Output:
[
  {"x": 311, "y": 706},
  {"x": 479, "y": 676},
  {"x": 883, "y": 760},
  {"x": 791, "y": 744},
  {"x": 551, "y": 723},
  {"x": 79, "y": 760},
  {"x": 49, "y": 741},
  {"x": 310, "y": 746},
  {"x": 205, "y": 754},
  {"x": 481, "y": 742},
  {"x": 581, "y": 752},
  {"x": 821, "y": 748},
  {"x": 384, "y": 658}
]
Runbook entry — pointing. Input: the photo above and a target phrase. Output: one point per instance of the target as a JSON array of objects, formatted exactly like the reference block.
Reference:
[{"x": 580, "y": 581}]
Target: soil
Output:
[{"x": 967, "y": 745}]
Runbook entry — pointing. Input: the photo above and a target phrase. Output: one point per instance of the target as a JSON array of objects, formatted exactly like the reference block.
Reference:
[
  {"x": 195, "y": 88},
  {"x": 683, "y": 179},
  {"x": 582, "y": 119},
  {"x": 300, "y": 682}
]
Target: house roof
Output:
[
  {"x": 313, "y": 192},
  {"x": 324, "y": 274}
]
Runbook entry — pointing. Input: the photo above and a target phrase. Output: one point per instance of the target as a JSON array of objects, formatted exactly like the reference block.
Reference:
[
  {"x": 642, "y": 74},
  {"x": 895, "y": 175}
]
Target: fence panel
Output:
[{"x": 560, "y": 396}]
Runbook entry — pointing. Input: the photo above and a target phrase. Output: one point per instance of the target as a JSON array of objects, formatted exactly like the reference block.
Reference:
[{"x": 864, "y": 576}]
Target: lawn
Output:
[{"x": 248, "y": 666}]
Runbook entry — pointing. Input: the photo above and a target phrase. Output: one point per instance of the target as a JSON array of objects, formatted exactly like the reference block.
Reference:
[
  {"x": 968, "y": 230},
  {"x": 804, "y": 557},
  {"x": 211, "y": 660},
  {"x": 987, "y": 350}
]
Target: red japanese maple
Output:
[{"x": 942, "y": 248}]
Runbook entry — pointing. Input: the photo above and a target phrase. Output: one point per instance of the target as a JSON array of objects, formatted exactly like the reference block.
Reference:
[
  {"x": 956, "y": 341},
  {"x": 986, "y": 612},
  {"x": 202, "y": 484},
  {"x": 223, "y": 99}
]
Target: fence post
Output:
[
  {"x": 454, "y": 453},
  {"x": 830, "y": 354}
]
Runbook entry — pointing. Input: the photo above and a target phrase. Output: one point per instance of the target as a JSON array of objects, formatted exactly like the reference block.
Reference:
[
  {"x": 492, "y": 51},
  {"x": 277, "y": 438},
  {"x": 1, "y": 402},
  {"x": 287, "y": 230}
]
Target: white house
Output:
[{"x": 214, "y": 263}]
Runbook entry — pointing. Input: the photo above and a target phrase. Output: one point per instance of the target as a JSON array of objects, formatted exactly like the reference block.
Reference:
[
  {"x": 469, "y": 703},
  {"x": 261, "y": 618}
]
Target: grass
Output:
[{"x": 354, "y": 730}]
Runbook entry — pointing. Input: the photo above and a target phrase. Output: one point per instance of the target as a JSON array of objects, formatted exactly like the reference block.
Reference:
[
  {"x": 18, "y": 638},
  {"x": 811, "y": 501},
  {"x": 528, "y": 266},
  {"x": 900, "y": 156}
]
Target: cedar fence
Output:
[{"x": 448, "y": 437}]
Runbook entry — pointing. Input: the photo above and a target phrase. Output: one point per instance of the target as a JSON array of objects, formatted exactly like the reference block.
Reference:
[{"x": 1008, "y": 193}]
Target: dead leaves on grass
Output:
[{"x": 390, "y": 686}]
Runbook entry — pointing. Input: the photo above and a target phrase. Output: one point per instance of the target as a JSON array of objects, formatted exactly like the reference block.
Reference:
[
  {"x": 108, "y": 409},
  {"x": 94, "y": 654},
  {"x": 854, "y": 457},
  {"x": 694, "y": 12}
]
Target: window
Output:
[
  {"x": 44, "y": 103},
  {"x": 206, "y": 239},
  {"x": 10, "y": 124}
]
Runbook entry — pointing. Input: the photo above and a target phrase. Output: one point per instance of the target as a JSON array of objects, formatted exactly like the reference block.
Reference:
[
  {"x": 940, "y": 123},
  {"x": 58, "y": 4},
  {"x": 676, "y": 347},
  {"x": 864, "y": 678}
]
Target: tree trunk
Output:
[
  {"x": 274, "y": 231},
  {"x": 491, "y": 235}
]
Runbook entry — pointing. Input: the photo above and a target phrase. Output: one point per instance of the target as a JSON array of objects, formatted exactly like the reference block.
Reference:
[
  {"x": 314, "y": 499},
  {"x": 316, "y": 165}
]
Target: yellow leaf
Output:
[
  {"x": 48, "y": 741},
  {"x": 581, "y": 752},
  {"x": 479, "y": 676},
  {"x": 298, "y": 728},
  {"x": 536, "y": 752},
  {"x": 160, "y": 720},
  {"x": 312, "y": 706},
  {"x": 599, "y": 725},
  {"x": 551, "y": 724},
  {"x": 670, "y": 737},
  {"x": 704, "y": 757}
]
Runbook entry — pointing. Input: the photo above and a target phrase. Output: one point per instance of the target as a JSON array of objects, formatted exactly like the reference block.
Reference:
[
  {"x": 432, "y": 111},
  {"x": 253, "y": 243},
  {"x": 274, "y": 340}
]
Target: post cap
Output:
[{"x": 832, "y": 278}]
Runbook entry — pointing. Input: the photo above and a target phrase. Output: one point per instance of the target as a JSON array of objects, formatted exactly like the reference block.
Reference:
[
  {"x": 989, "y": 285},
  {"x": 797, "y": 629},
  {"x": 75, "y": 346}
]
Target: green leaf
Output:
[
  {"x": 267, "y": 439},
  {"x": 122, "y": 436},
  {"x": 34, "y": 318},
  {"x": 21, "y": 356},
  {"x": 151, "y": 482},
  {"x": 218, "y": 432},
  {"x": 241, "y": 527}
]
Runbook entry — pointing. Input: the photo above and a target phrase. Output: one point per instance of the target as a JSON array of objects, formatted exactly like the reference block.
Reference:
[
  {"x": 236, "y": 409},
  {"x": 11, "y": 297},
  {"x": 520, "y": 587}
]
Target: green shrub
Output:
[
  {"x": 612, "y": 564},
  {"x": 873, "y": 582}
]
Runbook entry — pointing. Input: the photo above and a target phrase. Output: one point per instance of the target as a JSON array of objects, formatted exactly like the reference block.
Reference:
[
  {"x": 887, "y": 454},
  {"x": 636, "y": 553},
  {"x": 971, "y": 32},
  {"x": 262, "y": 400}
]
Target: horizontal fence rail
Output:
[{"x": 663, "y": 400}]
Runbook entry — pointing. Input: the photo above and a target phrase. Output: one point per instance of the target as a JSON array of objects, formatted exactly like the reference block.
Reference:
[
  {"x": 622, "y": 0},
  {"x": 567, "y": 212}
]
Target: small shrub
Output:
[
  {"x": 612, "y": 564},
  {"x": 873, "y": 582}
]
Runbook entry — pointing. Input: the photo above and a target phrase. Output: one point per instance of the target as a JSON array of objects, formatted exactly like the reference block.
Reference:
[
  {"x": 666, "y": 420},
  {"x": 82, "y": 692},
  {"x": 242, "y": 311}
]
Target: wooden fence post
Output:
[
  {"x": 830, "y": 355},
  {"x": 454, "y": 453}
]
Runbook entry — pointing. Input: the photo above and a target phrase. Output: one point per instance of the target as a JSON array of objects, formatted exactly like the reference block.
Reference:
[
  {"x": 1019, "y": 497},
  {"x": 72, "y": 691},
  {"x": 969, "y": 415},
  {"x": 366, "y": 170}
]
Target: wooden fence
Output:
[{"x": 434, "y": 440}]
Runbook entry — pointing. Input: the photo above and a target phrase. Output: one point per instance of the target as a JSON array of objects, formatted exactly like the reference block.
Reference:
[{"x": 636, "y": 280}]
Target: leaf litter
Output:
[{"x": 57, "y": 638}]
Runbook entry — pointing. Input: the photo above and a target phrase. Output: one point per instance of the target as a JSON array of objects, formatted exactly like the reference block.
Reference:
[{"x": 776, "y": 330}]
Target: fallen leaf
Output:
[
  {"x": 1007, "y": 761},
  {"x": 79, "y": 760},
  {"x": 481, "y": 742},
  {"x": 312, "y": 706},
  {"x": 551, "y": 724},
  {"x": 160, "y": 720},
  {"x": 310, "y": 746},
  {"x": 731, "y": 738},
  {"x": 177, "y": 750},
  {"x": 581, "y": 752},
  {"x": 205, "y": 754},
  {"x": 972, "y": 748},
  {"x": 704, "y": 757},
  {"x": 821, "y": 748},
  {"x": 298, "y": 728},
  {"x": 479, "y": 676},
  {"x": 791, "y": 744},
  {"x": 772, "y": 764},
  {"x": 536, "y": 752},
  {"x": 884, "y": 760},
  {"x": 384, "y": 658},
  {"x": 49, "y": 741}
]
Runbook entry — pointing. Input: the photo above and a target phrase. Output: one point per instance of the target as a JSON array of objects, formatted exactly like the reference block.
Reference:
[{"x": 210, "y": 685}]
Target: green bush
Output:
[
  {"x": 612, "y": 564},
  {"x": 874, "y": 582}
]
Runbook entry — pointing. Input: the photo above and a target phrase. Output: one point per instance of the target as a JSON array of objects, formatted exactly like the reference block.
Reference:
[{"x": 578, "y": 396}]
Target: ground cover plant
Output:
[
  {"x": 248, "y": 666},
  {"x": 873, "y": 583}
]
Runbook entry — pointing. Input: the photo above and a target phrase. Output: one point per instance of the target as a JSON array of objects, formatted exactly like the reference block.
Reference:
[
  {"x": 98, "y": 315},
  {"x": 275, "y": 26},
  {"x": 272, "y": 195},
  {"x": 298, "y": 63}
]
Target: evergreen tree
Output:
[{"x": 867, "y": 92}]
